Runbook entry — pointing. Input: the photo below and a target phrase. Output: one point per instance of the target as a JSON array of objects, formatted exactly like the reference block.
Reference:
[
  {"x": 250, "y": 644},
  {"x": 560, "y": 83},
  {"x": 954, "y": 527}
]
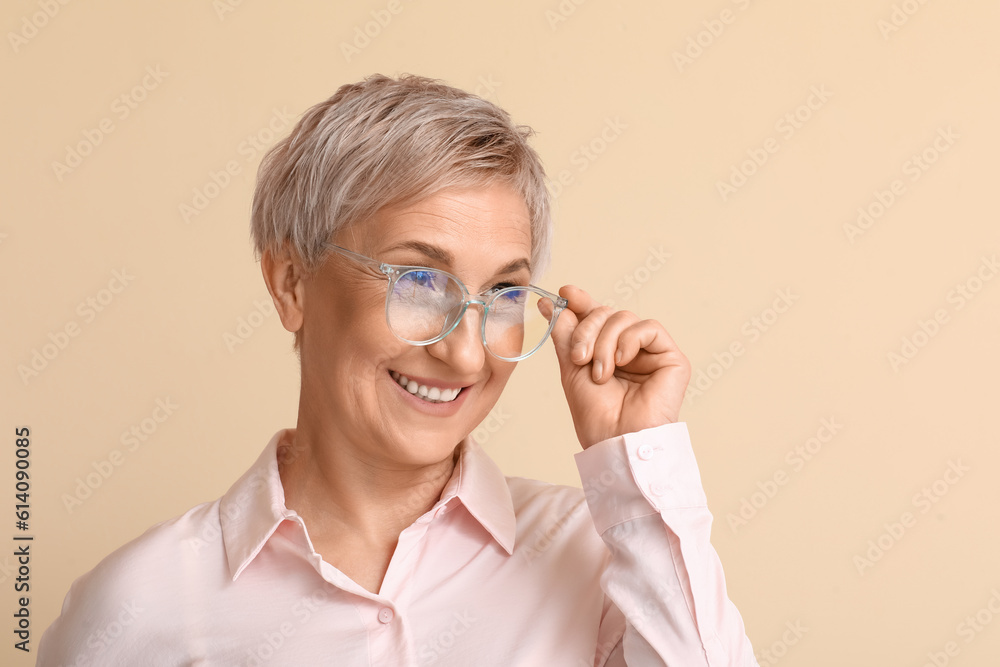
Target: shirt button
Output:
[
  {"x": 645, "y": 452},
  {"x": 385, "y": 615}
]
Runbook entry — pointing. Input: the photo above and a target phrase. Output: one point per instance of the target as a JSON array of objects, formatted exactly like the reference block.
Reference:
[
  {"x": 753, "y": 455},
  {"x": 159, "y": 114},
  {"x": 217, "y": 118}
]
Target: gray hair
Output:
[{"x": 388, "y": 142}]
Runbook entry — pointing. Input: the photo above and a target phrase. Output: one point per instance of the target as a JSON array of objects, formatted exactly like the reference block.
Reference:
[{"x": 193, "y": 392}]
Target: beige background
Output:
[{"x": 672, "y": 131}]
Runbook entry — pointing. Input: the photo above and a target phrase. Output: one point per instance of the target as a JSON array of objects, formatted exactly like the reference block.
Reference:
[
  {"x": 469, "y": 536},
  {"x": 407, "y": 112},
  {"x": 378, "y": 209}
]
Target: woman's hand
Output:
[{"x": 620, "y": 374}]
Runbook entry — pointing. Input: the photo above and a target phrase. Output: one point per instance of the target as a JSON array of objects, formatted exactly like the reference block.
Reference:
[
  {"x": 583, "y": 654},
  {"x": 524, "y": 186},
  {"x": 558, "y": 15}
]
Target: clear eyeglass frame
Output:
[{"x": 393, "y": 272}]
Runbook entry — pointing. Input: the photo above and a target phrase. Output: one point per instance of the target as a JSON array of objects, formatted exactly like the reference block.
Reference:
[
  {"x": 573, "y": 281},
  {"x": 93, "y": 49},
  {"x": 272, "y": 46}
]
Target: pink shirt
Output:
[{"x": 501, "y": 571}]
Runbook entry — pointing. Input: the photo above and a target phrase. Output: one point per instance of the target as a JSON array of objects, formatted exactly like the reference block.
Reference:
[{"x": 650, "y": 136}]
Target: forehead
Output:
[{"x": 468, "y": 223}]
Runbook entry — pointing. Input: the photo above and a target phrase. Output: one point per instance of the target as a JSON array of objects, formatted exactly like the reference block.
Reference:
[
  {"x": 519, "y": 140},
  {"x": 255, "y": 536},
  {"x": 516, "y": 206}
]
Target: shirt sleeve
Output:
[{"x": 645, "y": 495}]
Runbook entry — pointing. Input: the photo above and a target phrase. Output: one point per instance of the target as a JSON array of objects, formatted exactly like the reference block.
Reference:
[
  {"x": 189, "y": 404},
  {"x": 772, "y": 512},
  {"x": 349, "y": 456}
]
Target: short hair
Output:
[{"x": 390, "y": 142}]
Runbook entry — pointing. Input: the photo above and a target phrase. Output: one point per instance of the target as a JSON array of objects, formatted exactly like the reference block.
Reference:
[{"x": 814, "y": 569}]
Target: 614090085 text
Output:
[{"x": 22, "y": 542}]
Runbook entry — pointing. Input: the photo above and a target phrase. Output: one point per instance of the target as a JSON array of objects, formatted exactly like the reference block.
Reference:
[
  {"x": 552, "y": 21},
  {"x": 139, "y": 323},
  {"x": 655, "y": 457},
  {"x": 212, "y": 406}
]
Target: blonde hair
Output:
[{"x": 387, "y": 142}]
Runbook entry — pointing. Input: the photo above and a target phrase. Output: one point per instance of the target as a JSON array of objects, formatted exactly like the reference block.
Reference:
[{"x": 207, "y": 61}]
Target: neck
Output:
[{"x": 339, "y": 492}]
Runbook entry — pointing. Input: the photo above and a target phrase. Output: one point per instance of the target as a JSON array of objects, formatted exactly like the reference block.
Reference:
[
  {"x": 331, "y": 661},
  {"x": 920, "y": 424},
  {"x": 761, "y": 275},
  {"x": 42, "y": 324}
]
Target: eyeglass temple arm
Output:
[
  {"x": 360, "y": 259},
  {"x": 560, "y": 302}
]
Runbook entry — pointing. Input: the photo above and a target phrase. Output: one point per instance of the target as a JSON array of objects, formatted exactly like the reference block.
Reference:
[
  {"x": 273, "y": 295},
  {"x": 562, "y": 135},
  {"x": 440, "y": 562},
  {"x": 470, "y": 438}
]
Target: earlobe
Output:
[{"x": 285, "y": 282}]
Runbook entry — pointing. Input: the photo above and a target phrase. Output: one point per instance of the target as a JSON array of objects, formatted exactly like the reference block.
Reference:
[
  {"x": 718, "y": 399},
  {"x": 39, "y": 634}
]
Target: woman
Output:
[{"x": 399, "y": 227}]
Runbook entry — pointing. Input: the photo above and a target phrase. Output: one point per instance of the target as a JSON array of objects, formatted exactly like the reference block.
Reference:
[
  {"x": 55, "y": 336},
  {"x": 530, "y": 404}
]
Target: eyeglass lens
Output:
[{"x": 426, "y": 303}]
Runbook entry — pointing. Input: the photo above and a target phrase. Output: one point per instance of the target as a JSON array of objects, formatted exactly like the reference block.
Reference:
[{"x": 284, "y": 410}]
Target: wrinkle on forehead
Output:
[{"x": 481, "y": 230}]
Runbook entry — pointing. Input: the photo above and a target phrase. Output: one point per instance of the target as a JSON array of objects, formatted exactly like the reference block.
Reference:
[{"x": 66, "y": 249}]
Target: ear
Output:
[{"x": 285, "y": 281}]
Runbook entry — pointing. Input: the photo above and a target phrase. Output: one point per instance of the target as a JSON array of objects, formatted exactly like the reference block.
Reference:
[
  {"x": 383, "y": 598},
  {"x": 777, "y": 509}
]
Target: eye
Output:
[
  {"x": 421, "y": 279},
  {"x": 510, "y": 297}
]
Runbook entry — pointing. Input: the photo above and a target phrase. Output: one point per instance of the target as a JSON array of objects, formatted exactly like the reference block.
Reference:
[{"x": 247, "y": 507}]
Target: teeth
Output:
[{"x": 429, "y": 394}]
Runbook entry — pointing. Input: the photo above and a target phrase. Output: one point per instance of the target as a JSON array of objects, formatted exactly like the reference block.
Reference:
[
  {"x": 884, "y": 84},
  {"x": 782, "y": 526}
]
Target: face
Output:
[{"x": 351, "y": 361}]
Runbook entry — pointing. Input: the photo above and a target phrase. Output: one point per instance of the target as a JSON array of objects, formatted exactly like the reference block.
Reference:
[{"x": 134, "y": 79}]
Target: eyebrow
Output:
[{"x": 443, "y": 256}]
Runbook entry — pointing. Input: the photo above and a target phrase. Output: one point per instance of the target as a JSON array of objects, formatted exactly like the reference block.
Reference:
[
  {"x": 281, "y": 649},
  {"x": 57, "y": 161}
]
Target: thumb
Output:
[{"x": 562, "y": 332}]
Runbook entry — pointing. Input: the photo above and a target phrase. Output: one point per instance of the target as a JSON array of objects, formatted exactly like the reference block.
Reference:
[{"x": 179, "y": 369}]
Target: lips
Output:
[{"x": 427, "y": 392}]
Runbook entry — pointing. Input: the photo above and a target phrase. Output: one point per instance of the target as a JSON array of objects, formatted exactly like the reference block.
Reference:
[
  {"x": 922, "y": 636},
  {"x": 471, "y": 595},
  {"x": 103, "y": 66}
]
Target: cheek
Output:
[
  {"x": 500, "y": 372},
  {"x": 354, "y": 312},
  {"x": 349, "y": 342}
]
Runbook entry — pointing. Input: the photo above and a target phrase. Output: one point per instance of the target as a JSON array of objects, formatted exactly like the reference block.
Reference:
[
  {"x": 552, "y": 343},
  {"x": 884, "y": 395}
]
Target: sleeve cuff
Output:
[{"x": 637, "y": 474}]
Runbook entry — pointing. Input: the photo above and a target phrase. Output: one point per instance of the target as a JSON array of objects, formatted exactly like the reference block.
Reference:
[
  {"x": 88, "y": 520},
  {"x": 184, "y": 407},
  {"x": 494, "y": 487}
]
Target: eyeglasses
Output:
[{"x": 424, "y": 305}]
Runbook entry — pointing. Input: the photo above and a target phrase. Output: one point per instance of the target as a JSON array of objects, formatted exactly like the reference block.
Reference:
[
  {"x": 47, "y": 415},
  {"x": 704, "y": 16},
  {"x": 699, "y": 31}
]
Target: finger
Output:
[
  {"x": 580, "y": 301},
  {"x": 607, "y": 342},
  {"x": 561, "y": 332},
  {"x": 586, "y": 333},
  {"x": 580, "y": 306},
  {"x": 648, "y": 336}
]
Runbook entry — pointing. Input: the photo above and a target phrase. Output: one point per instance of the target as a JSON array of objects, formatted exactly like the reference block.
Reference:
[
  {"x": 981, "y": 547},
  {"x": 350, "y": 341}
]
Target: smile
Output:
[{"x": 429, "y": 394}]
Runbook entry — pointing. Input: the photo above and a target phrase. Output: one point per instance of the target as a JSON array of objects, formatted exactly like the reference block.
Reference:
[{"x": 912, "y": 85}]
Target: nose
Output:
[{"x": 463, "y": 349}]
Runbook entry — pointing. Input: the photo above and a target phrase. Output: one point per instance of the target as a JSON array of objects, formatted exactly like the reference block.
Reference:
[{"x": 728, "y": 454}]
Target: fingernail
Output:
[
  {"x": 579, "y": 351},
  {"x": 598, "y": 369},
  {"x": 618, "y": 357}
]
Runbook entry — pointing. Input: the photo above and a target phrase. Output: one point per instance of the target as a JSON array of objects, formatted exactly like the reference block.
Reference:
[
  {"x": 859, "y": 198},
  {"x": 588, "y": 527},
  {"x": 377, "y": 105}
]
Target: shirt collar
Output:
[
  {"x": 254, "y": 507},
  {"x": 482, "y": 488}
]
